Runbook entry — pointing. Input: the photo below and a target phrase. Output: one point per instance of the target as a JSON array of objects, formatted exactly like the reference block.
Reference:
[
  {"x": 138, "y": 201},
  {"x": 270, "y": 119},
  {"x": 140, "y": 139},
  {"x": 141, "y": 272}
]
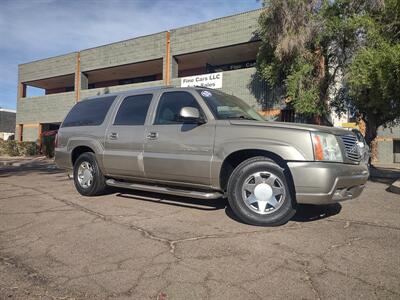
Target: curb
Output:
[
  {"x": 9, "y": 164},
  {"x": 382, "y": 173},
  {"x": 395, "y": 187}
]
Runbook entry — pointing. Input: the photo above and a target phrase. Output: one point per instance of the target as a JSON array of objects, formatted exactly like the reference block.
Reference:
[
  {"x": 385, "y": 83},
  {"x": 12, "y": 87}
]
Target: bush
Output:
[
  {"x": 8, "y": 148},
  {"x": 15, "y": 148}
]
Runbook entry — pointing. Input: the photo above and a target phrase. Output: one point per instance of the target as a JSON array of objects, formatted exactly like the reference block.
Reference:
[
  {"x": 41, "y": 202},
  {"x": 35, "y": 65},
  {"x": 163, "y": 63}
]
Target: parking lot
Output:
[{"x": 56, "y": 244}]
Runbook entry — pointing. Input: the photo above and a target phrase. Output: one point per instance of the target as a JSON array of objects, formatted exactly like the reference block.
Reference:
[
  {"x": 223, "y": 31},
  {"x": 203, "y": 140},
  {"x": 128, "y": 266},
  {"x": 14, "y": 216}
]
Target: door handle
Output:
[
  {"x": 152, "y": 135},
  {"x": 113, "y": 136}
]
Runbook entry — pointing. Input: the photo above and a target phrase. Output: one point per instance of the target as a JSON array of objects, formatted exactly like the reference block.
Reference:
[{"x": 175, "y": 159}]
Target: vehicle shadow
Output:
[
  {"x": 35, "y": 167},
  {"x": 305, "y": 213},
  {"x": 309, "y": 213}
]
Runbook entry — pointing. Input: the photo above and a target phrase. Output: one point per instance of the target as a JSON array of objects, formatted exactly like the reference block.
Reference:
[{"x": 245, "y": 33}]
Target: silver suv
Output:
[{"x": 202, "y": 143}]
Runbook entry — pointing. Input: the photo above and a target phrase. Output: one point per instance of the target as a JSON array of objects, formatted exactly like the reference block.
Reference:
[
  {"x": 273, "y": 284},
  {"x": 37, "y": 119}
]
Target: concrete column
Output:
[
  {"x": 21, "y": 93},
  {"x": 170, "y": 65},
  {"x": 21, "y": 90},
  {"x": 77, "y": 85},
  {"x": 84, "y": 81},
  {"x": 167, "y": 59},
  {"x": 174, "y": 68},
  {"x": 20, "y": 129}
]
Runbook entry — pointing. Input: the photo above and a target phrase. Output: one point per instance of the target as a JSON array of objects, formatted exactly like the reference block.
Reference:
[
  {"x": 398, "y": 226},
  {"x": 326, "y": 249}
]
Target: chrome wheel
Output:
[
  {"x": 85, "y": 174},
  {"x": 263, "y": 192}
]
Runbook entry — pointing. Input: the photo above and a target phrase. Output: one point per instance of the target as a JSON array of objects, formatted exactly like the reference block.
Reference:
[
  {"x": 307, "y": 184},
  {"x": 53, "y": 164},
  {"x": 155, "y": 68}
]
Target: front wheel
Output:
[
  {"x": 88, "y": 178},
  {"x": 258, "y": 193}
]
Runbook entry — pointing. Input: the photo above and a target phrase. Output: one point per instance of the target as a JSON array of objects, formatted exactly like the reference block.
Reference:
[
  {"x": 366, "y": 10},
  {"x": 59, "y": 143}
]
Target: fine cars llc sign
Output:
[{"x": 213, "y": 80}]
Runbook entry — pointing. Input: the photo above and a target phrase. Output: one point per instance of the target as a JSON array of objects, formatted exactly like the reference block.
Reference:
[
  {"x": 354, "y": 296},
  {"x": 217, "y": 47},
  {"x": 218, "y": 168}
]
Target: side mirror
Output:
[{"x": 190, "y": 114}]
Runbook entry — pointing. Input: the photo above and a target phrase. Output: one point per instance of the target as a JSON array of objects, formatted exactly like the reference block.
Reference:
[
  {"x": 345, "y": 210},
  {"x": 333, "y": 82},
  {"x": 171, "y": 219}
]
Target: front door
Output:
[
  {"x": 178, "y": 151},
  {"x": 125, "y": 137}
]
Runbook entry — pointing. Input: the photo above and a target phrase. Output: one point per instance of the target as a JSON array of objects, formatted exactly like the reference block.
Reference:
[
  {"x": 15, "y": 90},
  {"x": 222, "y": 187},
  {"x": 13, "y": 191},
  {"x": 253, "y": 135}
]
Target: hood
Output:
[{"x": 295, "y": 126}]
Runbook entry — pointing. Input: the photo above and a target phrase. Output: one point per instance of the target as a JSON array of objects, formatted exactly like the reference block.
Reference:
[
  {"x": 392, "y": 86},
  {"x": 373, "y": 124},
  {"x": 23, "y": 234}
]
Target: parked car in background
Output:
[{"x": 203, "y": 143}]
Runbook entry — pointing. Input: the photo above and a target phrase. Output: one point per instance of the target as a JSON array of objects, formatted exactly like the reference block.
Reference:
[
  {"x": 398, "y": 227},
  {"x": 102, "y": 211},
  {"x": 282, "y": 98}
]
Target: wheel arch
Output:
[
  {"x": 78, "y": 151},
  {"x": 232, "y": 160}
]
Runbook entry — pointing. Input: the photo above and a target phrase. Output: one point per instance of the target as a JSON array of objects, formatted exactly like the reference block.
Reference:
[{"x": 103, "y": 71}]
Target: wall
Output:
[
  {"x": 7, "y": 121},
  {"x": 30, "y": 134},
  {"x": 385, "y": 144},
  {"x": 385, "y": 151},
  {"x": 44, "y": 109},
  {"x": 242, "y": 83},
  {"x": 393, "y": 132},
  {"x": 46, "y": 68},
  {"x": 126, "y": 52},
  {"x": 118, "y": 88},
  {"x": 217, "y": 33}
]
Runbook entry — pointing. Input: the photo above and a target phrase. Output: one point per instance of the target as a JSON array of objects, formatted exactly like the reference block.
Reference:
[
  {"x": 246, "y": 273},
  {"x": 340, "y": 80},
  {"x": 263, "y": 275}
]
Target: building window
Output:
[
  {"x": 137, "y": 79},
  {"x": 230, "y": 67}
]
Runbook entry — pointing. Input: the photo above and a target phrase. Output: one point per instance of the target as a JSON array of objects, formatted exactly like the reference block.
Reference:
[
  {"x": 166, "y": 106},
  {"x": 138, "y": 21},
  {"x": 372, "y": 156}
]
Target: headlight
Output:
[{"x": 326, "y": 147}]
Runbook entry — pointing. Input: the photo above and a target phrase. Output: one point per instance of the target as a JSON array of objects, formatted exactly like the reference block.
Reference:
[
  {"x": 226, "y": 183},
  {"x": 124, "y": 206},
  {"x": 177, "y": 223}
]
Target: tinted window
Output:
[
  {"x": 170, "y": 106},
  {"x": 133, "y": 110},
  {"x": 89, "y": 112}
]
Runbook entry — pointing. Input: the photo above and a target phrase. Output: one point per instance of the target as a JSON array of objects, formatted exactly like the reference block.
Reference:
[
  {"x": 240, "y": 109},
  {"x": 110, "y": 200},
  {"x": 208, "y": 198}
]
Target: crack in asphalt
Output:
[
  {"x": 306, "y": 257},
  {"x": 144, "y": 232},
  {"x": 364, "y": 223},
  {"x": 31, "y": 273},
  {"x": 171, "y": 245}
]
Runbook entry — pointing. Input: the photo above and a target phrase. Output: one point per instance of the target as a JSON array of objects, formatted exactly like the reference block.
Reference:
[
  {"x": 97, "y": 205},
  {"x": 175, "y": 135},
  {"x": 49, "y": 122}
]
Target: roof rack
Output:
[{"x": 203, "y": 87}]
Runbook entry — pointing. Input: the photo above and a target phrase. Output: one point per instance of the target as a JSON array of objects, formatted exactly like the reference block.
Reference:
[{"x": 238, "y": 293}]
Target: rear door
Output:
[
  {"x": 124, "y": 141},
  {"x": 178, "y": 151}
]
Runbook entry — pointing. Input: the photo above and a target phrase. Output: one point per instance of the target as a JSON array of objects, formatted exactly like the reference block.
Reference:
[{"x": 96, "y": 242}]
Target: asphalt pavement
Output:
[{"x": 56, "y": 244}]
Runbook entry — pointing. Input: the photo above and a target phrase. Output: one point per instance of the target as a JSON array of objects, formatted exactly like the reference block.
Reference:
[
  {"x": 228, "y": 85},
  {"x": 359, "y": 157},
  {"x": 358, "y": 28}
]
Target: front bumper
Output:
[{"x": 324, "y": 183}]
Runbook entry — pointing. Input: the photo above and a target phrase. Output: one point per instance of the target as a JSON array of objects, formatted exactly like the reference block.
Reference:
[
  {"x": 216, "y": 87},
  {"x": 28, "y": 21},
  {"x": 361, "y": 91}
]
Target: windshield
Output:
[{"x": 225, "y": 106}]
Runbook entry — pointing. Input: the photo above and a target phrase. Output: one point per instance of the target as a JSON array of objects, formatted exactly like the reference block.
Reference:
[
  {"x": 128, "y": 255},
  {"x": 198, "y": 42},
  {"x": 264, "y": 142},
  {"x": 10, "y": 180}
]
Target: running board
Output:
[{"x": 164, "y": 190}]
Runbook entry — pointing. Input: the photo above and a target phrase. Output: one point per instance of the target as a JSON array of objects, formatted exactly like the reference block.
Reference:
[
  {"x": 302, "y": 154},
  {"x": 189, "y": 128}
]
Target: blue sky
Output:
[{"x": 36, "y": 29}]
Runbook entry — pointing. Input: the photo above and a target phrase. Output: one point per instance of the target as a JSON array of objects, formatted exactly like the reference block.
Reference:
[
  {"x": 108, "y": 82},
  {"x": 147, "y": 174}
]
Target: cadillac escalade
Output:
[{"x": 202, "y": 143}]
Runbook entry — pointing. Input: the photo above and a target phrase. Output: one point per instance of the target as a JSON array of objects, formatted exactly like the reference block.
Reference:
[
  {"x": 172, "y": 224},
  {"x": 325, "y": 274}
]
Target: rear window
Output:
[{"x": 89, "y": 112}]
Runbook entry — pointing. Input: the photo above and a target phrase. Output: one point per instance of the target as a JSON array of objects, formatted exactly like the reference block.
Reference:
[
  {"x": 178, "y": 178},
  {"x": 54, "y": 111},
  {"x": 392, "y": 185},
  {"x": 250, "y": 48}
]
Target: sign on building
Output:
[{"x": 213, "y": 80}]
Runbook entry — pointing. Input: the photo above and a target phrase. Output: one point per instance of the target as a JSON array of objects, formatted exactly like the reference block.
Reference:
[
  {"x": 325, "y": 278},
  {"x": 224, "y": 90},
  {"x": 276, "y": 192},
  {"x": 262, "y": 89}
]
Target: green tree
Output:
[
  {"x": 308, "y": 47},
  {"x": 290, "y": 56},
  {"x": 373, "y": 81}
]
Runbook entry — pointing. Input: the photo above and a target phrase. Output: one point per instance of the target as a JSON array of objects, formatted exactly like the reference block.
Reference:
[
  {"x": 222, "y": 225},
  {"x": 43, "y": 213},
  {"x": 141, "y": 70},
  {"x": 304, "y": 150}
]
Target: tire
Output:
[
  {"x": 86, "y": 187},
  {"x": 253, "y": 185}
]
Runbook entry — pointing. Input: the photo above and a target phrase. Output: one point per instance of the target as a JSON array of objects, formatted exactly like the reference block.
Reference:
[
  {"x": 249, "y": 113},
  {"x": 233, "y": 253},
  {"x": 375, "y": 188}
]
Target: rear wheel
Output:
[
  {"x": 258, "y": 193},
  {"x": 88, "y": 178}
]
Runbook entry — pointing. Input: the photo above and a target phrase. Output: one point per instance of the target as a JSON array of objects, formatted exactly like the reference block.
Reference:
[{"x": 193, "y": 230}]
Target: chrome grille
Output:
[{"x": 351, "y": 146}]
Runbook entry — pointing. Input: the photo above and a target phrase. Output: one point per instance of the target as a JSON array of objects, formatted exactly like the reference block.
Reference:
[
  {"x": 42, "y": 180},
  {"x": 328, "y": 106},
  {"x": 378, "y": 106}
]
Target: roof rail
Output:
[{"x": 203, "y": 87}]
